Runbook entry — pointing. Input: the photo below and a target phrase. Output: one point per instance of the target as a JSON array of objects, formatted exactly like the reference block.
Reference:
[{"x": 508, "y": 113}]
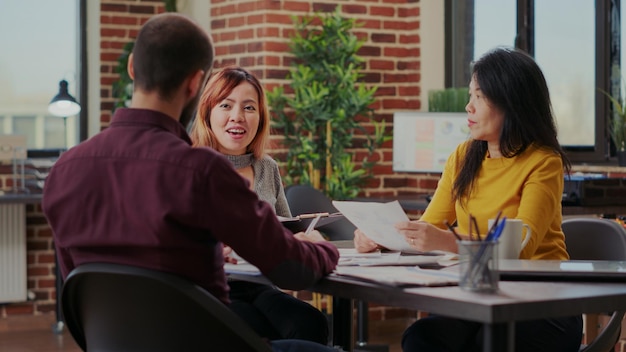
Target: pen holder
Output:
[{"x": 478, "y": 265}]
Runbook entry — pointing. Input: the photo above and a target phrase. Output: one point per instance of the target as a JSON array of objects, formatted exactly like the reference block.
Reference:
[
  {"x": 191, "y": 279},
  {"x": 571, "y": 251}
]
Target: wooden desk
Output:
[{"x": 515, "y": 301}]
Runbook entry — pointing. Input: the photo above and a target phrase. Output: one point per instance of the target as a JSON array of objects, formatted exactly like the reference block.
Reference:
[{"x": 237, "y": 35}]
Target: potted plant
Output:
[
  {"x": 327, "y": 106},
  {"x": 448, "y": 100},
  {"x": 617, "y": 126}
]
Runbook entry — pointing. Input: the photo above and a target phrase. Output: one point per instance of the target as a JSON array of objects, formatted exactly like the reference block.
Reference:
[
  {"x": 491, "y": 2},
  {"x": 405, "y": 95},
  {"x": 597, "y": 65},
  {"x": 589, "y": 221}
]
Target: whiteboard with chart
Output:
[{"x": 422, "y": 141}]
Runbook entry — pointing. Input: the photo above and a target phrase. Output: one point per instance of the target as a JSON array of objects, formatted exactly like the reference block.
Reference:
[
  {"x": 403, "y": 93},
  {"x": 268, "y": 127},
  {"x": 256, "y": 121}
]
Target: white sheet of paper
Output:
[{"x": 377, "y": 221}]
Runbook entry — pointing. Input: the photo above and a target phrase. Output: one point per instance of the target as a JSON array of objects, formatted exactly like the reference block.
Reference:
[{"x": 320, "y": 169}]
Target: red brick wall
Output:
[
  {"x": 256, "y": 35},
  {"x": 120, "y": 21}
]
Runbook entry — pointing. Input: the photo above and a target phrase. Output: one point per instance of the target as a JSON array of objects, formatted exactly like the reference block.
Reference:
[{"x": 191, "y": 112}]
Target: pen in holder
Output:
[
  {"x": 478, "y": 265},
  {"x": 478, "y": 261}
]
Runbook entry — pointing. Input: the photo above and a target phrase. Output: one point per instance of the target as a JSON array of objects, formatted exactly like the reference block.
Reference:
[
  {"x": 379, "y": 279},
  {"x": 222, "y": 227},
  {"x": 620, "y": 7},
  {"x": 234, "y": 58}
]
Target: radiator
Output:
[{"x": 13, "y": 284}]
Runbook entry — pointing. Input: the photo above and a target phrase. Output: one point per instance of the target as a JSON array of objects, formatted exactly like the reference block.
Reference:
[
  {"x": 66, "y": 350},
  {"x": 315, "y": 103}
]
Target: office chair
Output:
[
  {"x": 112, "y": 307},
  {"x": 303, "y": 199},
  {"x": 597, "y": 239}
]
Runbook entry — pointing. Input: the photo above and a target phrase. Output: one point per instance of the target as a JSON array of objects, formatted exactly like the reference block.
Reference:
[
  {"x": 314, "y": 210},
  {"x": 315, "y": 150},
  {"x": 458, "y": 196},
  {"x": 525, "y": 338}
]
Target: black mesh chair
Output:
[
  {"x": 304, "y": 199},
  {"x": 110, "y": 307},
  {"x": 597, "y": 239}
]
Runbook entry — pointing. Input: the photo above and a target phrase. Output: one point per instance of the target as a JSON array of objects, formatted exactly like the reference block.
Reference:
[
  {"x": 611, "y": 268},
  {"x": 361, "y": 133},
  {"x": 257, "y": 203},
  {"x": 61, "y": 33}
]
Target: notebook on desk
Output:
[{"x": 562, "y": 270}]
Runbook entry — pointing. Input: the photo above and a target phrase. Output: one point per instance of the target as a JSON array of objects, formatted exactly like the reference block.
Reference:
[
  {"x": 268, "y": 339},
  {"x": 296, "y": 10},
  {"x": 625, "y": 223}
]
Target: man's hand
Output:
[
  {"x": 227, "y": 255},
  {"x": 313, "y": 236}
]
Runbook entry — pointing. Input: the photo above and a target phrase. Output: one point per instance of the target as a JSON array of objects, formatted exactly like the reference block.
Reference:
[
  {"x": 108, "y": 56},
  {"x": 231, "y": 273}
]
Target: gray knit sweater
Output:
[{"x": 267, "y": 182}]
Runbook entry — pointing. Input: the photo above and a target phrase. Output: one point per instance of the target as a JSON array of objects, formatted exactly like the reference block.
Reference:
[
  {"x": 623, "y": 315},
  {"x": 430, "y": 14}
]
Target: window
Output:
[
  {"x": 569, "y": 39},
  {"x": 46, "y": 51}
]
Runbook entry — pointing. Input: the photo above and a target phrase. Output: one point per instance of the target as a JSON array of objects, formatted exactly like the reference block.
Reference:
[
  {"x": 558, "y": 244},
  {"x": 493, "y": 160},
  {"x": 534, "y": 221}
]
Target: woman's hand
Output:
[
  {"x": 425, "y": 237},
  {"x": 362, "y": 243}
]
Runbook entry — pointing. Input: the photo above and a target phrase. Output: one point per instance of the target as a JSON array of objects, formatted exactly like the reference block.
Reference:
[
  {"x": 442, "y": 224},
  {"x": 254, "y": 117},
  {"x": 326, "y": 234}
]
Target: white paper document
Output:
[
  {"x": 402, "y": 276},
  {"x": 377, "y": 221},
  {"x": 241, "y": 268},
  {"x": 350, "y": 257}
]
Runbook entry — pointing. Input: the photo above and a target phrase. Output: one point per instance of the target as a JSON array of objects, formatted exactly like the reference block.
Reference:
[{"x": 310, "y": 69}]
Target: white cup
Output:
[{"x": 512, "y": 239}]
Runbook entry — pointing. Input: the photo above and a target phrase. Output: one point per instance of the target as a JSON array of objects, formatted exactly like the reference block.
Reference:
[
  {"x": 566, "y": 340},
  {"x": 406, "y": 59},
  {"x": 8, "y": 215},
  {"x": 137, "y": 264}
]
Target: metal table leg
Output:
[
  {"x": 57, "y": 327},
  {"x": 342, "y": 323}
]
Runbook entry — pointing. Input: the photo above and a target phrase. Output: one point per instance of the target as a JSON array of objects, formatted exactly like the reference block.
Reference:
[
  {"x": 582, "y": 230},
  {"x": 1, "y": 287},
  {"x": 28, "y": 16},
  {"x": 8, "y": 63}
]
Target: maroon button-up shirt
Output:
[{"x": 137, "y": 193}]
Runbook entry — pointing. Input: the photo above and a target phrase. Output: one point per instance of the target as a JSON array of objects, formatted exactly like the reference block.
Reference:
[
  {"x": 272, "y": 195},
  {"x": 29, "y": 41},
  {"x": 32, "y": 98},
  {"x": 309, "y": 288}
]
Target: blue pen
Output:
[
  {"x": 499, "y": 229},
  {"x": 479, "y": 258},
  {"x": 495, "y": 234}
]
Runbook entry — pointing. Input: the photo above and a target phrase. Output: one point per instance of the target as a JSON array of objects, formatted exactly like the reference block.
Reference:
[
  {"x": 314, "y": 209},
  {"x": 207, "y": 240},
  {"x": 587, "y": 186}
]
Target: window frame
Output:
[
  {"x": 459, "y": 15},
  {"x": 82, "y": 89}
]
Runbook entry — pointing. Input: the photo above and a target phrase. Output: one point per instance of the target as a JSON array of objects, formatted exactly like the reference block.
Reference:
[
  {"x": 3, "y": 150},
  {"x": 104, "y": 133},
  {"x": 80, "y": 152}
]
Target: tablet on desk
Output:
[{"x": 562, "y": 270}]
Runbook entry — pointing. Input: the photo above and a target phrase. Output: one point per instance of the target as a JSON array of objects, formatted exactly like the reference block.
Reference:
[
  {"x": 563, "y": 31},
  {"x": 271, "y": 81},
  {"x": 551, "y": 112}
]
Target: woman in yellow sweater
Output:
[{"x": 512, "y": 163}]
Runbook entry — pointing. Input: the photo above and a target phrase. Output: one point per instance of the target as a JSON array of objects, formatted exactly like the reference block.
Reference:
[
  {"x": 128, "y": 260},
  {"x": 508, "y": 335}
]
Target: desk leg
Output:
[
  {"x": 499, "y": 337},
  {"x": 57, "y": 327},
  {"x": 342, "y": 322},
  {"x": 362, "y": 331}
]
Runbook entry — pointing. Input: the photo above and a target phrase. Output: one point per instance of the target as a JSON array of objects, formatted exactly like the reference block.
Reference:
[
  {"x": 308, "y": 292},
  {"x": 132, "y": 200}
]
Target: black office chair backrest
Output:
[
  {"x": 304, "y": 199},
  {"x": 594, "y": 239},
  {"x": 111, "y": 307},
  {"x": 597, "y": 239}
]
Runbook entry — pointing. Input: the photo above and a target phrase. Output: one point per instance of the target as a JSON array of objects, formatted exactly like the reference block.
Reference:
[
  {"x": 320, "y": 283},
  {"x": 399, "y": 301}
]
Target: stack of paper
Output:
[
  {"x": 349, "y": 256},
  {"x": 401, "y": 276}
]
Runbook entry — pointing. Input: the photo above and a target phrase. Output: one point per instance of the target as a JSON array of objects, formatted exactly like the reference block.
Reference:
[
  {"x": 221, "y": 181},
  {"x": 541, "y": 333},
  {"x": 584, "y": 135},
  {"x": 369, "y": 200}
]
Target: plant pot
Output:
[{"x": 621, "y": 158}]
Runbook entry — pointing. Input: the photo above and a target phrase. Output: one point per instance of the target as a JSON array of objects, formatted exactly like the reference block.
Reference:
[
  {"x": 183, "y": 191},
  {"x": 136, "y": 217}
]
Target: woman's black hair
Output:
[{"x": 511, "y": 81}]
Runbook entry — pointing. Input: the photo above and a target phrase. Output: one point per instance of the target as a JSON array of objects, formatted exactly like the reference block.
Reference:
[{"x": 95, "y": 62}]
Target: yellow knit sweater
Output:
[{"x": 527, "y": 187}]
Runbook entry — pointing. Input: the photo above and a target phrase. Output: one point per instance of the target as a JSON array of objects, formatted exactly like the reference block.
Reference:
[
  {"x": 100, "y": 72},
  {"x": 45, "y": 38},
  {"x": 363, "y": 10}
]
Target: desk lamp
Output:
[{"x": 63, "y": 104}]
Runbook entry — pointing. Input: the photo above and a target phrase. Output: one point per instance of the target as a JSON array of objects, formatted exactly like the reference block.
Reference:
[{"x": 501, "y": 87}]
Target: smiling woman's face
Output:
[
  {"x": 484, "y": 120},
  {"x": 235, "y": 120}
]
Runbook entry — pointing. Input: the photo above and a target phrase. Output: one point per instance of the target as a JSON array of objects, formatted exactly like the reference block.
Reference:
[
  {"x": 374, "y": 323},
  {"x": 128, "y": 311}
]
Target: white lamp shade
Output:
[
  {"x": 64, "y": 108},
  {"x": 63, "y": 104}
]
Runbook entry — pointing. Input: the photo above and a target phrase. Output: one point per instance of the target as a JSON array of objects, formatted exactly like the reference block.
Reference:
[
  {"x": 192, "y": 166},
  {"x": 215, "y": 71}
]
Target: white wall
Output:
[
  {"x": 432, "y": 37},
  {"x": 93, "y": 67},
  {"x": 199, "y": 10}
]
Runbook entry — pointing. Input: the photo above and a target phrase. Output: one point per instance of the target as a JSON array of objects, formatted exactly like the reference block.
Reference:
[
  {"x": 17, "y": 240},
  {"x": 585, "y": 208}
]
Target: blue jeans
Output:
[{"x": 299, "y": 346}]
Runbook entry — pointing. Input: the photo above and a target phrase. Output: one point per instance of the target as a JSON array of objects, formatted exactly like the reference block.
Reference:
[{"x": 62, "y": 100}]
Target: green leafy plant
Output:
[
  {"x": 448, "y": 100},
  {"x": 123, "y": 87},
  {"x": 320, "y": 117},
  {"x": 617, "y": 121}
]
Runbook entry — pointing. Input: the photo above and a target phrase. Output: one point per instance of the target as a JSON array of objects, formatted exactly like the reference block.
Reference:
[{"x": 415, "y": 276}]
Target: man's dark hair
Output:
[{"x": 168, "y": 49}]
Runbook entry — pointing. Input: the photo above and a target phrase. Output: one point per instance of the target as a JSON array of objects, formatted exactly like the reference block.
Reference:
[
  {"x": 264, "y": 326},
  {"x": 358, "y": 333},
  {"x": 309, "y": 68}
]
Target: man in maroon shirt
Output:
[{"x": 137, "y": 193}]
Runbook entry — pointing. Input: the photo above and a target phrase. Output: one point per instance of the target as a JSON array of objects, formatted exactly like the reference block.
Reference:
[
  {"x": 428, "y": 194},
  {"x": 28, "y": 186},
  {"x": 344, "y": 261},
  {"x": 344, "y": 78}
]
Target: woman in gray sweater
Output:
[{"x": 233, "y": 119}]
